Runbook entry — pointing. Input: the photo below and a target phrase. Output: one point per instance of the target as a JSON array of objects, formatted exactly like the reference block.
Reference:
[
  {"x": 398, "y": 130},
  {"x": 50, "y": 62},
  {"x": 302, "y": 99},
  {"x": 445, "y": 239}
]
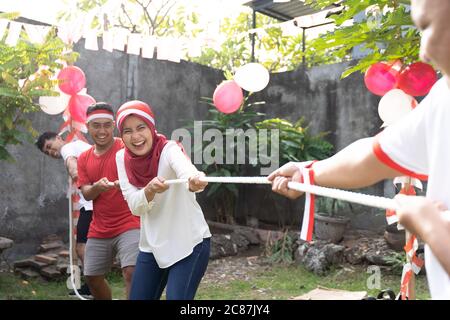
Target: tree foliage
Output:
[
  {"x": 385, "y": 33},
  {"x": 277, "y": 52},
  {"x": 160, "y": 18},
  {"x": 26, "y": 72}
]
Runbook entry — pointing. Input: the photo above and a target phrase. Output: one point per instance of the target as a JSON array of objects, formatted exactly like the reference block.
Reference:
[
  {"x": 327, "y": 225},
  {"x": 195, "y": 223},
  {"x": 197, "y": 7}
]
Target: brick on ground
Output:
[
  {"x": 45, "y": 259},
  {"x": 51, "y": 238},
  {"x": 64, "y": 253},
  {"x": 37, "y": 264},
  {"x": 62, "y": 267},
  {"x": 5, "y": 243},
  {"x": 51, "y": 272},
  {"x": 22, "y": 263},
  {"x": 26, "y": 273},
  {"x": 51, "y": 245}
]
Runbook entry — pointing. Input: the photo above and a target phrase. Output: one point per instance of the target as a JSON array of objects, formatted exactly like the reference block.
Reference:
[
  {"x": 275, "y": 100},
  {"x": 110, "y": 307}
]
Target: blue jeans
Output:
[{"x": 182, "y": 278}]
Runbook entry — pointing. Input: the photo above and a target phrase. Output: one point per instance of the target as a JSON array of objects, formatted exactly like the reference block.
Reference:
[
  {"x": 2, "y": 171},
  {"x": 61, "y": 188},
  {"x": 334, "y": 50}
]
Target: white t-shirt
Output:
[
  {"x": 172, "y": 224},
  {"x": 74, "y": 149},
  {"x": 419, "y": 145}
]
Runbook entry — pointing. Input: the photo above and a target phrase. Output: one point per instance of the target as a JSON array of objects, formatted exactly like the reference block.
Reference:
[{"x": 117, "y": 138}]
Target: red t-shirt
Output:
[{"x": 111, "y": 215}]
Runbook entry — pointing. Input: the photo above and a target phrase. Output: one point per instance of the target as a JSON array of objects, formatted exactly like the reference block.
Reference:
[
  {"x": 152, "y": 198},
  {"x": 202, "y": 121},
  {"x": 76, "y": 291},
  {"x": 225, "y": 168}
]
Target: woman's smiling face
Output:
[{"x": 136, "y": 135}]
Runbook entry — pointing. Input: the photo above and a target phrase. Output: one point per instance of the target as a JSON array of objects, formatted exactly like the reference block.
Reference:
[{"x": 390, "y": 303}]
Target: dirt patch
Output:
[{"x": 239, "y": 267}]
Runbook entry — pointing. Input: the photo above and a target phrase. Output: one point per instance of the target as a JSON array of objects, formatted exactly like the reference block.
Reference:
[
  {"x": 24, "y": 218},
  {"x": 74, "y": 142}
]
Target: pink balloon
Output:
[
  {"x": 72, "y": 80},
  {"x": 380, "y": 78},
  {"x": 417, "y": 79},
  {"x": 228, "y": 97},
  {"x": 78, "y": 105}
]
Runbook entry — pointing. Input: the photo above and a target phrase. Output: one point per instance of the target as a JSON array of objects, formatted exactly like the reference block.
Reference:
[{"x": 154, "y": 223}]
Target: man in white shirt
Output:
[
  {"x": 55, "y": 147},
  {"x": 416, "y": 146}
]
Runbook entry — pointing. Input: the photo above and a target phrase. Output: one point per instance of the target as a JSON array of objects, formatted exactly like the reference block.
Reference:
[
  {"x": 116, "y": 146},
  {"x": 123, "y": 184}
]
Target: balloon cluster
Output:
[
  {"x": 228, "y": 96},
  {"x": 398, "y": 85},
  {"x": 72, "y": 100}
]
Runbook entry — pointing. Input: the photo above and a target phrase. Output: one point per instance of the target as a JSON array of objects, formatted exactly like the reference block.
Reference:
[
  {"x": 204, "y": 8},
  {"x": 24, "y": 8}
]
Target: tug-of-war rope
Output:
[
  {"x": 360, "y": 198},
  {"x": 308, "y": 217}
]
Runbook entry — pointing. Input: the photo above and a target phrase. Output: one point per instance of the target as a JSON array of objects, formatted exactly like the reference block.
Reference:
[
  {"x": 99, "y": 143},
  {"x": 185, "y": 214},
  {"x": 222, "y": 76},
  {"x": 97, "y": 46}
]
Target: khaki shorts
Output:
[{"x": 99, "y": 253}]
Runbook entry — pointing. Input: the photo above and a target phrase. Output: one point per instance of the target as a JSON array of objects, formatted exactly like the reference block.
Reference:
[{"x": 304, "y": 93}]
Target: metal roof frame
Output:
[{"x": 283, "y": 11}]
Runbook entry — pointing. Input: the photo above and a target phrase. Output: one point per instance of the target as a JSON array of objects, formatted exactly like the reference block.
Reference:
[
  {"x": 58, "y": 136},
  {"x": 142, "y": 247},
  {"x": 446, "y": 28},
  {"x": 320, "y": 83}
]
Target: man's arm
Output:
[
  {"x": 356, "y": 166},
  {"x": 91, "y": 192},
  {"x": 71, "y": 166},
  {"x": 429, "y": 221}
]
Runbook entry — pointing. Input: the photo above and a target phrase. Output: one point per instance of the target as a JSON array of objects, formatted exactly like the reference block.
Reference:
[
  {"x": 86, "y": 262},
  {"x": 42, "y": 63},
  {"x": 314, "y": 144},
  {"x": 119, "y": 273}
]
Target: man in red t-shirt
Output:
[{"x": 113, "y": 230}]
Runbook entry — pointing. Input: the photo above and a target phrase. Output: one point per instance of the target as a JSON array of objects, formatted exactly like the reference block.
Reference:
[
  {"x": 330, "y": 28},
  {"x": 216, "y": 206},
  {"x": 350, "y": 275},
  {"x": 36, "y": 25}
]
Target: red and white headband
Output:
[
  {"x": 99, "y": 114},
  {"x": 121, "y": 116}
]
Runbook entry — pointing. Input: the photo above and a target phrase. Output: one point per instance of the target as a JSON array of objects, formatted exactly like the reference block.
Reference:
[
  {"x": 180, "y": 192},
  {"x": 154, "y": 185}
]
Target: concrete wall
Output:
[{"x": 32, "y": 190}]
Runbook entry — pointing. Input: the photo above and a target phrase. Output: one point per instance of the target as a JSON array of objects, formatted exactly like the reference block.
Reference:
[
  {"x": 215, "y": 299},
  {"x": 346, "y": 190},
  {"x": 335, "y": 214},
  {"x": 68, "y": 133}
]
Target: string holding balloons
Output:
[
  {"x": 72, "y": 100},
  {"x": 228, "y": 96}
]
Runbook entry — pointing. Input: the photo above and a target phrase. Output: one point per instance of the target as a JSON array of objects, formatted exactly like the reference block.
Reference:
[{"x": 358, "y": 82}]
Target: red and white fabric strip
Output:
[
  {"x": 391, "y": 216},
  {"x": 406, "y": 278},
  {"x": 411, "y": 246},
  {"x": 308, "y": 215}
]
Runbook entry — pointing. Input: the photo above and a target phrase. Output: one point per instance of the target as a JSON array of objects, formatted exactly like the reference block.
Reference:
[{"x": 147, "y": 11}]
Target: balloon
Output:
[
  {"x": 72, "y": 80},
  {"x": 54, "y": 105},
  {"x": 380, "y": 78},
  {"x": 417, "y": 79},
  {"x": 228, "y": 97},
  {"x": 395, "y": 105},
  {"x": 252, "y": 77},
  {"x": 78, "y": 105}
]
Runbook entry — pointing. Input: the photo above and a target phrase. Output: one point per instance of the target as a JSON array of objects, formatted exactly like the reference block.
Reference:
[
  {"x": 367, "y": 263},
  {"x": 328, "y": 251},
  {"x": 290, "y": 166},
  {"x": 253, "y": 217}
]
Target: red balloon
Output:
[
  {"x": 78, "y": 105},
  {"x": 228, "y": 97},
  {"x": 380, "y": 78},
  {"x": 72, "y": 80},
  {"x": 417, "y": 79}
]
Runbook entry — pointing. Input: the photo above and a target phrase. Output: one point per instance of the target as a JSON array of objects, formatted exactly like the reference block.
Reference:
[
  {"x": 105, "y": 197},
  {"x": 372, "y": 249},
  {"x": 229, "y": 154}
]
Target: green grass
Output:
[
  {"x": 284, "y": 282},
  {"x": 12, "y": 287},
  {"x": 277, "y": 282}
]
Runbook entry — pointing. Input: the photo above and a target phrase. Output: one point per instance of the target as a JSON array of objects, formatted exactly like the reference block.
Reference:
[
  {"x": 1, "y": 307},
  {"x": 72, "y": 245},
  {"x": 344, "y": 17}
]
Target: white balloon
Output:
[
  {"x": 394, "y": 105},
  {"x": 54, "y": 105},
  {"x": 252, "y": 77}
]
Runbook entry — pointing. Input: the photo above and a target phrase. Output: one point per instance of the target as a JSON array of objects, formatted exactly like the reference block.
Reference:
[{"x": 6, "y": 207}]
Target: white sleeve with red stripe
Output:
[{"x": 403, "y": 146}]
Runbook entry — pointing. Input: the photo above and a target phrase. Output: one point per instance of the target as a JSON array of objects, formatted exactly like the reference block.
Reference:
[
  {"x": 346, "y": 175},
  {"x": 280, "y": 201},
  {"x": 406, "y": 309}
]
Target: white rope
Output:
[
  {"x": 72, "y": 280},
  {"x": 360, "y": 198}
]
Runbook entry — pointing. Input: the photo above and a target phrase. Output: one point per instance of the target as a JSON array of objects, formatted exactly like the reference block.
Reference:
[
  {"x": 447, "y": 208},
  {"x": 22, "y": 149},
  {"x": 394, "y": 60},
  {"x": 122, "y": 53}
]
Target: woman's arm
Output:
[
  {"x": 135, "y": 197},
  {"x": 184, "y": 169}
]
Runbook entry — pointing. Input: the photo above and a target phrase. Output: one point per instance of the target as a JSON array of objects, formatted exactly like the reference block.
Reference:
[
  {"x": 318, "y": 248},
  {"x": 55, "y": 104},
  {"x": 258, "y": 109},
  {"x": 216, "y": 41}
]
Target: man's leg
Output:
[
  {"x": 99, "y": 287},
  {"x": 80, "y": 251},
  {"x": 127, "y": 246},
  {"x": 83, "y": 224},
  {"x": 98, "y": 260},
  {"x": 127, "y": 273}
]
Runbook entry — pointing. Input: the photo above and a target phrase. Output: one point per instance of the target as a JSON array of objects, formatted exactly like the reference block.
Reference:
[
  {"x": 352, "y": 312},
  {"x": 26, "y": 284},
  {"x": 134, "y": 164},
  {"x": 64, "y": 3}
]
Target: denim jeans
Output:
[{"x": 182, "y": 278}]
